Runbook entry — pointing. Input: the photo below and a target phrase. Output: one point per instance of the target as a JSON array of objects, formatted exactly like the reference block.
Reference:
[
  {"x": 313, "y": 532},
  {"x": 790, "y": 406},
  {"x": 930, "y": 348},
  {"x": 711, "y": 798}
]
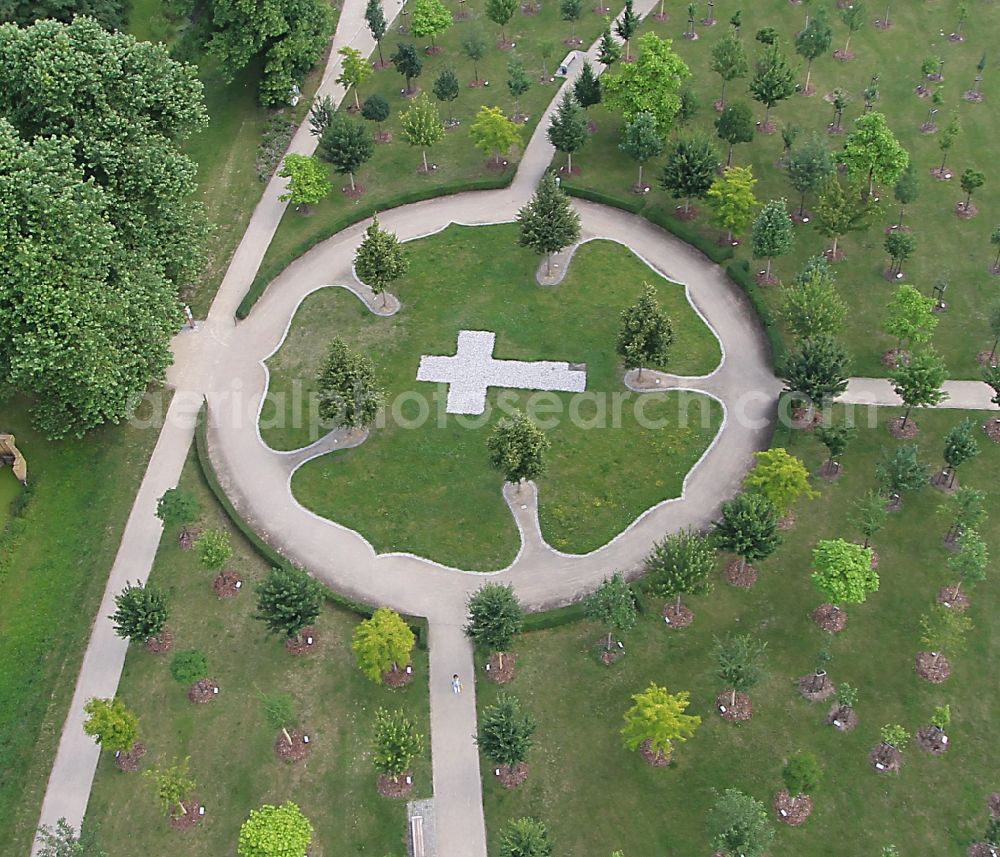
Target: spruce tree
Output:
[
  {"x": 817, "y": 372},
  {"x": 505, "y": 732},
  {"x": 380, "y": 259},
  {"x": 748, "y": 528},
  {"x": 646, "y": 333},
  {"x": 288, "y": 600},
  {"x": 348, "y": 391},
  {"x": 568, "y": 131},
  {"x": 587, "y": 88},
  {"x": 609, "y": 51},
  {"x": 377, "y": 26},
  {"x": 140, "y": 612},
  {"x": 626, "y": 25},
  {"x": 548, "y": 222}
]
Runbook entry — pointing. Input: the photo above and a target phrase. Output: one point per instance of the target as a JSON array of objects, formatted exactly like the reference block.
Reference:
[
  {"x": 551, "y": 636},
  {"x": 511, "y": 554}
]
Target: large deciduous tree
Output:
[
  {"x": 690, "y": 168},
  {"x": 100, "y": 225},
  {"x": 646, "y": 333},
  {"x": 657, "y": 719},
  {"x": 382, "y": 643},
  {"x": 872, "y": 154},
  {"x": 430, "y": 18},
  {"x": 740, "y": 662},
  {"x": 813, "y": 42},
  {"x": 494, "y": 134},
  {"x": 548, "y": 222},
  {"x": 517, "y": 448},
  {"x": 275, "y": 831},
  {"x": 652, "y": 84},
  {"x": 288, "y": 600},
  {"x": 290, "y": 36},
  {"x": 380, "y": 259}
]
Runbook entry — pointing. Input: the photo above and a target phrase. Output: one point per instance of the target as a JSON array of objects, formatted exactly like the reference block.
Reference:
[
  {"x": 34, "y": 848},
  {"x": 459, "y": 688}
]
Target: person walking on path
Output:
[{"x": 456, "y": 684}]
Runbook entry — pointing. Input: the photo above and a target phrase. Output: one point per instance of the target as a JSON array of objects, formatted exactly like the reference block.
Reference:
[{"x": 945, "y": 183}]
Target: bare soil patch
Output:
[
  {"x": 843, "y": 56},
  {"x": 655, "y": 758},
  {"x": 355, "y": 192},
  {"x": 187, "y": 819},
  {"x": 932, "y": 739},
  {"x": 992, "y": 429},
  {"x": 203, "y": 691},
  {"x": 966, "y": 211},
  {"x": 766, "y": 127},
  {"x": 677, "y": 617},
  {"x": 885, "y": 759},
  {"x": 895, "y": 357},
  {"x": 735, "y": 712},
  {"x": 129, "y": 762},
  {"x": 188, "y": 536},
  {"x": 815, "y": 687},
  {"x": 741, "y": 575},
  {"x": 993, "y": 804},
  {"x": 690, "y": 214},
  {"x": 388, "y": 787},
  {"x": 829, "y": 618},
  {"x": 988, "y": 357},
  {"x": 792, "y": 811},
  {"x": 834, "y": 257},
  {"x": 946, "y": 481},
  {"x": 942, "y": 174},
  {"x": 806, "y": 419},
  {"x": 227, "y": 584},
  {"x": 608, "y": 656},
  {"x": 501, "y": 675},
  {"x": 294, "y": 751},
  {"x": 931, "y": 667},
  {"x": 786, "y": 522},
  {"x": 304, "y": 644},
  {"x": 398, "y": 677},
  {"x": 511, "y": 776},
  {"x": 831, "y": 470},
  {"x": 981, "y": 849},
  {"x": 903, "y": 430},
  {"x": 973, "y": 96},
  {"x": 955, "y": 599},
  {"x": 842, "y": 717},
  {"x": 161, "y": 643}
]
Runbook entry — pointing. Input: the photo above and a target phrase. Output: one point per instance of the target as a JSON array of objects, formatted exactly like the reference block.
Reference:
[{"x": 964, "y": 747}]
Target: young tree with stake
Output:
[
  {"x": 495, "y": 618},
  {"x": 494, "y": 134},
  {"x": 869, "y": 514},
  {"x": 773, "y": 81},
  {"x": 918, "y": 382},
  {"x": 739, "y": 825},
  {"x": 735, "y": 125},
  {"x": 657, "y": 720},
  {"x": 518, "y": 84},
  {"x": 910, "y": 317},
  {"x": 571, "y": 10},
  {"x": 173, "y": 787},
  {"x": 731, "y": 200},
  {"x": 408, "y": 63},
  {"x": 740, "y": 659},
  {"x": 872, "y": 154},
  {"x": 947, "y": 139},
  {"x": 355, "y": 70},
  {"x": 422, "y": 128},
  {"x": 609, "y": 51},
  {"x": 809, "y": 165},
  {"x": 646, "y": 333},
  {"x": 178, "y": 508},
  {"x": 900, "y": 246},
  {"x": 347, "y": 145},
  {"x": 801, "y": 775},
  {"x": 729, "y": 61},
  {"x": 641, "y": 142},
  {"x": 308, "y": 181},
  {"x": 968, "y": 565},
  {"x": 613, "y": 605},
  {"x": 901, "y": 471},
  {"x": 681, "y": 564},
  {"x": 279, "y": 711},
  {"x": 505, "y": 733},
  {"x": 812, "y": 43},
  {"x": 474, "y": 47},
  {"x": 959, "y": 446},
  {"x": 970, "y": 181},
  {"x": 445, "y": 90},
  {"x": 843, "y": 573},
  {"x": 500, "y": 12},
  {"x": 853, "y": 16},
  {"x": 836, "y": 439},
  {"x": 906, "y": 191},
  {"x": 780, "y": 477},
  {"x": 943, "y": 630},
  {"x": 568, "y": 130},
  {"x": 839, "y": 211},
  {"x": 517, "y": 449},
  {"x": 965, "y": 510},
  {"x": 376, "y": 109},
  {"x": 811, "y": 305},
  {"x": 112, "y": 726},
  {"x": 817, "y": 372},
  {"x": 748, "y": 528},
  {"x": 626, "y": 26},
  {"x": 771, "y": 234},
  {"x": 397, "y": 743},
  {"x": 430, "y": 19},
  {"x": 377, "y": 26},
  {"x": 380, "y": 259},
  {"x": 548, "y": 222}
]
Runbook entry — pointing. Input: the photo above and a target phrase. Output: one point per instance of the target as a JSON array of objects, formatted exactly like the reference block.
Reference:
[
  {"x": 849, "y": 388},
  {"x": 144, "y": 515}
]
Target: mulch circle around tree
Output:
[
  {"x": 942, "y": 174},
  {"x": 928, "y": 128},
  {"x": 355, "y": 192},
  {"x": 504, "y": 45},
  {"x": 834, "y": 257},
  {"x": 305, "y": 643},
  {"x": 203, "y": 691},
  {"x": 966, "y": 211},
  {"x": 161, "y": 643},
  {"x": 766, "y": 127},
  {"x": 739, "y": 575},
  {"x": 842, "y": 717},
  {"x": 227, "y": 584},
  {"x": 736, "y": 712},
  {"x": 897, "y": 228},
  {"x": 829, "y": 618},
  {"x": 511, "y": 776},
  {"x": 601, "y": 9},
  {"x": 890, "y": 759},
  {"x": 894, "y": 503},
  {"x": 761, "y": 278},
  {"x": 572, "y": 43},
  {"x": 946, "y": 481},
  {"x": 565, "y": 171},
  {"x": 903, "y": 430},
  {"x": 432, "y": 50},
  {"x": 929, "y": 669},
  {"x": 830, "y": 470},
  {"x": 592, "y": 126},
  {"x": 655, "y": 758},
  {"x": 640, "y": 188},
  {"x": 719, "y": 105},
  {"x": 801, "y": 216},
  {"x": 892, "y": 276},
  {"x": 973, "y": 96},
  {"x": 606, "y": 656},
  {"x": 499, "y": 675},
  {"x": 295, "y": 751},
  {"x": 690, "y": 214},
  {"x": 843, "y": 56},
  {"x": 677, "y": 617},
  {"x": 398, "y": 677},
  {"x": 948, "y": 596},
  {"x": 816, "y": 688},
  {"x": 188, "y": 536},
  {"x": 806, "y": 419},
  {"x": 129, "y": 762},
  {"x": 786, "y": 522},
  {"x": 932, "y": 739},
  {"x": 187, "y": 819},
  {"x": 496, "y": 165},
  {"x": 993, "y": 804},
  {"x": 874, "y": 557},
  {"x": 992, "y": 429},
  {"x": 529, "y": 9},
  {"x": 792, "y": 811},
  {"x": 411, "y": 93},
  {"x": 663, "y": 17},
  {"x": 981, "y": 849},
  {"x": 988, "y": 357},
  {"x": 388, "y": 787},
  {"x": 956, "y": 37},
  {"x": 386, "y": 136}
]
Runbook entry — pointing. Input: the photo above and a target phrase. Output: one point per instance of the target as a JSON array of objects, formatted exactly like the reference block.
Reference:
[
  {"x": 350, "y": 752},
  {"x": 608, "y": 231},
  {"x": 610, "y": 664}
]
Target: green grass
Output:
[
  {"x": 229, "y": 740},
  {"x": 10, "y": 489},
  {"x": 430, "y": 490},
  {"x": 946, "y": 245},
  {"x": 392, "y": 171},
  {"x": 596, "y": 797},
  {"x": 54, "y": 559},
  {"x": 226, "y": 151}
]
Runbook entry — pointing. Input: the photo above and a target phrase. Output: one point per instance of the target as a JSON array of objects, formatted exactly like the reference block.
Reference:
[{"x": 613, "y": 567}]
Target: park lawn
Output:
[
  {"x": 10, "y": 490},
  {"x": 226, "y": 150},
  {"x": 596, "y": 797},
  {"x": 229, "y": 741},
  {"x": 946, "y": 245},
  {"x": 429, "y": 489},
  {"x": 391, "y": 175},
  {"x": 54, "y": 560}
]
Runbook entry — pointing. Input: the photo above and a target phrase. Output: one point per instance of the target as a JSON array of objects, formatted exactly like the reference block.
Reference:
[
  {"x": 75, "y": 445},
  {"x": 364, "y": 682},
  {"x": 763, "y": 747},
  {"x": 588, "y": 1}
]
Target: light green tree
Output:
[
  {"x": 173, "y": 785},
  {"x": 943, "y": 629},
  {"x": 872, "y": 154},
  {"x": 910, "y": 317},
  {"x": 429, "y": 19},
  {"x": 652, "y": 84},
  {"x": 500, "y": 12},
  {"x": 493, "y": 133},
  {"x": 382, "y": 643},
  {"x": 731, "y": 200},
  {"x": 729, "y": 61},
  {"x": 843, "y": 571},
  {"x": 970, "y": 563},
  {"x": 657, "y": 719},
  {"x": 811, "y": 306},
  {"x": 397, "y": 743},
  {"x": 780, "y": 477},
  {"x": 111, "y": 724},
  {"x": 214, "y": 548},
  {"x": 275, "y": 831},
  {"x": 422, "y": 127},
  {"x": 355, "y": 70},
  {"x": 308, "y": 180}
]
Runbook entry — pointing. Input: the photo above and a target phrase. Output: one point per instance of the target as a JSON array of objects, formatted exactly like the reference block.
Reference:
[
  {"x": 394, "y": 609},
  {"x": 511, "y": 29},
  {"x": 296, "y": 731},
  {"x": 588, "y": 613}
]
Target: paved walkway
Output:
[{"x": 964, "y": 395}]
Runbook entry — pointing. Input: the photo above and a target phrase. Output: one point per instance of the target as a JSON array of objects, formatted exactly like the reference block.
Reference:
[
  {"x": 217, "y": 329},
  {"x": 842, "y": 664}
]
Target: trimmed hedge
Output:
[
  {"x": 268, "y": 553},
  {"x": 739, "y": 273},
  {"x": 658, "y": 217},
  {"x": 273, "y": 267}
]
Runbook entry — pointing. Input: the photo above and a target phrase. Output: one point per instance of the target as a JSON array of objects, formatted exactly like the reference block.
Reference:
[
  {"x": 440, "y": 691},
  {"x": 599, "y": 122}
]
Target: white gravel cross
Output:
[{"x": 473, "y": 369}]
